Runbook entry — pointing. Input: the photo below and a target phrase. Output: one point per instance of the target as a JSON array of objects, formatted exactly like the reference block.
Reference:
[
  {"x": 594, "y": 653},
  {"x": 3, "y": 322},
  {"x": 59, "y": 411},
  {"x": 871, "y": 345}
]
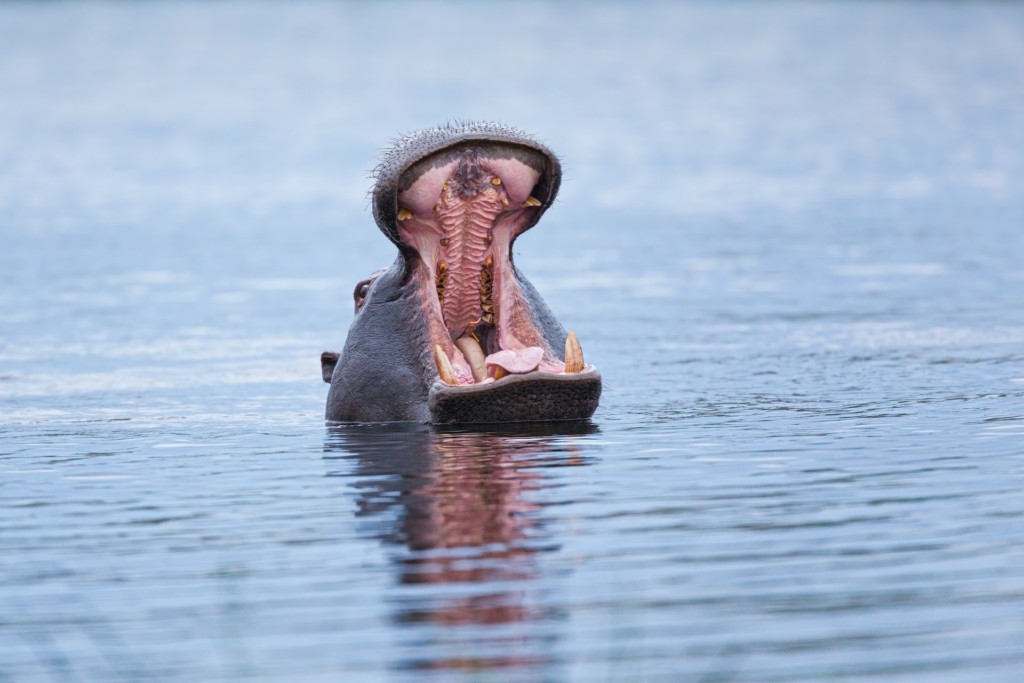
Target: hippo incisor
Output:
[{"x": 452, "y": 332}]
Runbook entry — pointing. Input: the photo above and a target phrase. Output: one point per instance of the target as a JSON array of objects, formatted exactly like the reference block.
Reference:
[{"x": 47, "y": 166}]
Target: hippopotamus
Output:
[{"x": 452, "y": 332}]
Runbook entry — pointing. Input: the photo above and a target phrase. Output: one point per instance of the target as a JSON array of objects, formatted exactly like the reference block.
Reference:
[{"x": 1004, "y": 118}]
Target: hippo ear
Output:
[{"x": 328, "y": 359}]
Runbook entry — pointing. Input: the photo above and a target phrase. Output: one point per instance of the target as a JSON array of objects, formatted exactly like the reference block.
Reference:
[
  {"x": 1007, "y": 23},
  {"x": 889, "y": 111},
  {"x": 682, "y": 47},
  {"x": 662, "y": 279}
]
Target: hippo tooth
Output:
[
  {"x": 474, "y": 355},
  {"x": 531, "y": 201},
  {"x": 573, "y": 354},
  {"x": 404, "y": 214},
  {"x": 444, "y": 366}
]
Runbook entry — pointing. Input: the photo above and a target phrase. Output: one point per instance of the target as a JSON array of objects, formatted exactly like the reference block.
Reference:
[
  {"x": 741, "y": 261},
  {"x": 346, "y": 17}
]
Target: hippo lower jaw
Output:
[
  {"x": 484, "y": 382},
  {"x": 527, "y": 397},
  {"x": 478, "y": 379},
  {"x": 501, "y": 368}
]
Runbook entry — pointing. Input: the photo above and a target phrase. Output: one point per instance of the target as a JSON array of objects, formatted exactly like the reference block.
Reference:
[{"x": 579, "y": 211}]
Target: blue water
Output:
[{"x": 790, "y": 236}]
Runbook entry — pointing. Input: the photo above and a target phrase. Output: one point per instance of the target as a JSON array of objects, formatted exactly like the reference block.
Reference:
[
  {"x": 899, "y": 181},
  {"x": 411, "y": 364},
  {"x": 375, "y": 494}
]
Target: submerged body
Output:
[{"x": 452, "y": 332}]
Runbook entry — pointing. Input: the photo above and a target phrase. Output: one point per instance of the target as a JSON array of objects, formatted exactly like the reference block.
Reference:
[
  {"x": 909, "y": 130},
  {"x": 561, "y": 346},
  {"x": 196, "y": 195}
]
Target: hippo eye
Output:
[{"x": 361, "y": 290}]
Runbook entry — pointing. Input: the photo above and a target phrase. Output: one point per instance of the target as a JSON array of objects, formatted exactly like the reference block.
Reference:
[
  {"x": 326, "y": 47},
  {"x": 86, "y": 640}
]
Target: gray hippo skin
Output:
[{"x": 452, "y": 332}]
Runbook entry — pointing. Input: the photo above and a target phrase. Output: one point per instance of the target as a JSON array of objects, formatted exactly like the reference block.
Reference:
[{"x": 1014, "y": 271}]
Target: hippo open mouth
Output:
[{"x": 453, "y": 332}]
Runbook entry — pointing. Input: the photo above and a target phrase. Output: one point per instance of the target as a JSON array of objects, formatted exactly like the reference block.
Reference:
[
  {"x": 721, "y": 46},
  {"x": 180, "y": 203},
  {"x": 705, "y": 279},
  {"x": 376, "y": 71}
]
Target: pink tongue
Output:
[{"x": 516, "y": 362}]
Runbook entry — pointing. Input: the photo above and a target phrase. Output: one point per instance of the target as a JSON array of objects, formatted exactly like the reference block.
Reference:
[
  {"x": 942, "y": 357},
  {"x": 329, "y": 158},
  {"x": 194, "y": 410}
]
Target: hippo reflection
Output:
[
  {"x": 452, "y": 332},
  {"x": 467, "y": 510}
]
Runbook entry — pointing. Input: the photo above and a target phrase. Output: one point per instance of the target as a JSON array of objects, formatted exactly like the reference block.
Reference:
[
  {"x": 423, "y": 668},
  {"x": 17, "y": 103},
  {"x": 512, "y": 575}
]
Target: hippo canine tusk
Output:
[
  {"x": 474, "y": 355},
  {"x": 444, "y": 366},
  {"x": 573, "y": 354}
]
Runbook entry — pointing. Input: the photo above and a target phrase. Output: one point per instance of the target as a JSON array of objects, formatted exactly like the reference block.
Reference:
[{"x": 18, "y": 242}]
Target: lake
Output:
[{"x": 789, "y": 235}]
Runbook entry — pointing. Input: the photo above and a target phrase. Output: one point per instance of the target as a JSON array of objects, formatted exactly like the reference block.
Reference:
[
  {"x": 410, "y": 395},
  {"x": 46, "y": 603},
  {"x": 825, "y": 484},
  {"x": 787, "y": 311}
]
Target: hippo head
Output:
[{"x": 452, "y": 332}]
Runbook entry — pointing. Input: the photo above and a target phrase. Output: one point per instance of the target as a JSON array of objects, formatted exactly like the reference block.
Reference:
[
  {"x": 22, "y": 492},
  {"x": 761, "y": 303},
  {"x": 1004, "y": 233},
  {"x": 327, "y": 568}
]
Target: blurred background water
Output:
[{"x": 789, "y": 236}]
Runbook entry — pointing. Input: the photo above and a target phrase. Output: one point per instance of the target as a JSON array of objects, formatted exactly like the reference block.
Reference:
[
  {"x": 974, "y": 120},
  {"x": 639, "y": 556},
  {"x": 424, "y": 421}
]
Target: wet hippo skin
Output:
[{"x": 452, "y": 332}]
